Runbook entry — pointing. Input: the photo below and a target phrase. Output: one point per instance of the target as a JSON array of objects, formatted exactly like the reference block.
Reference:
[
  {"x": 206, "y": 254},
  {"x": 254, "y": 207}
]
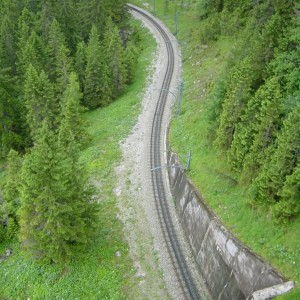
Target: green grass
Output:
[
  {"x": 204, "y": 66},
  {"x": 100, "y": 274}
]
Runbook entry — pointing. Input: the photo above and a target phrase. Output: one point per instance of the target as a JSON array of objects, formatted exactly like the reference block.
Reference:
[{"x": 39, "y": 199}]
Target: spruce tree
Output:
[
  {"x": 97, "y": 90},
  {"x": 93, "y": 13},
  {"x": 56, "y": 42},
  {"x": 63, "y": 68},
  {"x": 244, "y": 133},
  {"x": 71, "y": 124},
  {"x": 12, "y": 134},
  {"x": 130, "y": 55},
  {"x": 114, "y": 58},
  {"x": 39, "y": 100},
  {"x": 11, "y": 185},
  {"x": 282, "y": 159},
  {"x": 289, "y": 205},
  {"x": 57, "y": 213},
  {"x": 80, "y": 63},
  {"x": 30, "y": 53},
  {"x": 237, "y": 96},
  {"x": 26, "y": 23},
  {"x": 46, "y": 15},
  {"x": 268, "y": 121},
  {"x": 8, "y": 20},
  {"x": 11, "y": 197},
  {"x": 66, "y": 14}
]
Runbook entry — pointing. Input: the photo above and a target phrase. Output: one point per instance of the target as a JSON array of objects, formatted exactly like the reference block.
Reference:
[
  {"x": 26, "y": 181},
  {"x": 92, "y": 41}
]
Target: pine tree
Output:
[
  {"x": 268, "y": 123},
  {"x": 282, "y": 160},
  {"x": 11, "y": 128},
  {"x": 46, "y": 16},
  {"x": 66, "y": 15},
  {"x": 63, "y": 68},
  {"x": 116, "y": 10},
  {"x": 97, "y": 82},
  {"x": 80, "y": 63},
  {"x": 114, "y": 58},
  {"x": 32, "y": 53},
  {"x": 72, "y": 125},
  {"x": 11, "y": 185},
  {"x": 8, "y": 17},
  {"x": 237, "y": 96},
  {"x": 56, "y": 212},
  {"x": 289, "y": 205},
  {"x": 245, "y": 131},
  {"x": 56, "y": 42},
  {"x": 286, "y": 62},
  {"x": 39, "y": 100},
  {"x": 26, "y": 24},
  {"x": 11, "y": 197},
  {"x": 95, "y": 12},
  {"x": 130, "y": 55}
]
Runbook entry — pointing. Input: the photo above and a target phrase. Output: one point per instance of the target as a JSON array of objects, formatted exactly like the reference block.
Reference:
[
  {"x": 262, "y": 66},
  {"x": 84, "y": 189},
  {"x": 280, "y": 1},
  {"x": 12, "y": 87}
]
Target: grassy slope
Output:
[
  {"x": 203, "y": 66},
  {"x": 100, "y": 274}
]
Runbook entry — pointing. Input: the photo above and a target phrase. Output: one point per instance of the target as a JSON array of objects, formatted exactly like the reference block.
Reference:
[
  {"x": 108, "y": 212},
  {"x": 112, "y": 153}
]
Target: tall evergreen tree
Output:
[
  {"x": 63, "y": 68},
  {"x": 130, "y": 55},
  {"x": 282, "y": 160},
  {"x": 80, "y": 63},
  {"x": 11, "y": 128},
  {"x": 288, "y": 206},
  {"x": 46, "y": 15},
  {"x": 26, "y": 24},
  {"x": 237, "y": 96},
  {"x": 56, "y": 212},
  {"x": 66, "y": 15},
  {"x": 114, "y": 58},
  {"x": 56, "y": 42},
  {"x": 8, "y": 17},
  {"x": 32, "y": 53},
  {"x": 245, "y": 131},
  {"x": 11, "y": 197},
  {"x": 96, "y": 13},
  {"x": 39, "y": 100},
  {"x": 71, "y": 124},
  {"x": 266, "y": 126},
  {"x": 97, "y": 90},
  {"x": 286, "y": 62}
]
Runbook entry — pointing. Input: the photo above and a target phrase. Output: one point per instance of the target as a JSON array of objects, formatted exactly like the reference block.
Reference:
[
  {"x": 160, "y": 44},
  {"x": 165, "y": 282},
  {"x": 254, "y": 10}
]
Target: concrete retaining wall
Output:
[{"x": 230, "y": 269}]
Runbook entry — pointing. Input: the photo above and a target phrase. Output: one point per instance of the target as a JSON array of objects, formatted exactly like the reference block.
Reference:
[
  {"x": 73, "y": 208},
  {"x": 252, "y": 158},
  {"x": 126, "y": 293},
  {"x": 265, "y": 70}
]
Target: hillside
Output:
[{"x": 240, "y": 117}]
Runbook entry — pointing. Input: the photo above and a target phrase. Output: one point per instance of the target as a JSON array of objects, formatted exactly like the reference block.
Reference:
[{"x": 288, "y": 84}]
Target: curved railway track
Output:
[{"x": 178, "y": 260}]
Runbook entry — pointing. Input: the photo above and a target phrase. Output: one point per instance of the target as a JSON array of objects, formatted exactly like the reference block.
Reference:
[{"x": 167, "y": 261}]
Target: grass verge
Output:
[
  {"x": 100, "y": 274},
  {"x": 204, "y": 65}
]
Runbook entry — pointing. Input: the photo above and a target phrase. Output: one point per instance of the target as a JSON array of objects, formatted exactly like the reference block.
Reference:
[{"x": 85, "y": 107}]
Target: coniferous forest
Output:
[
  {"x": 255, "y": 114},
  {"x": 57, "y": 60},
  {"x": 240, "y": 116}
]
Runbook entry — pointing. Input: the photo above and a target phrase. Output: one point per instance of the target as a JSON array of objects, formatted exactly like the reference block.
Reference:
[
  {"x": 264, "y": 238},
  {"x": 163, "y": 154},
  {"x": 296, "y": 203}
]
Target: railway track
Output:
[{"x": 184, "y": 278}]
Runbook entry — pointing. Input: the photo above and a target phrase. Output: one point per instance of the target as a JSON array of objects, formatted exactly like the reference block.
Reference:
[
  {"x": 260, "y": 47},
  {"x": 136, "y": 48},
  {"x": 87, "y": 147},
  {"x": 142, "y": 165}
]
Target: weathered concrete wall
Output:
[{"x": 230, "y": 269}]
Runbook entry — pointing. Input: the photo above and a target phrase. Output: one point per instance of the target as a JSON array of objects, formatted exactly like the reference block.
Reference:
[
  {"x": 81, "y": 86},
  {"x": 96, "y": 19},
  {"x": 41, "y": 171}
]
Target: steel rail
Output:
[{"x": 178, "y": 260}]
